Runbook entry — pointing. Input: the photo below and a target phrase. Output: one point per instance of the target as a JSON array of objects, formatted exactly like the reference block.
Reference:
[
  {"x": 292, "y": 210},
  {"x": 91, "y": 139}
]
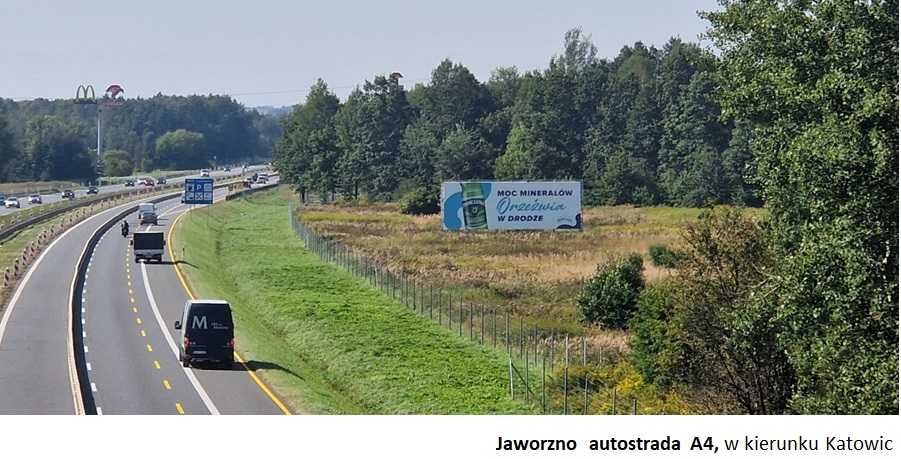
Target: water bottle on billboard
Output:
[{"x": 475, "y": 216}]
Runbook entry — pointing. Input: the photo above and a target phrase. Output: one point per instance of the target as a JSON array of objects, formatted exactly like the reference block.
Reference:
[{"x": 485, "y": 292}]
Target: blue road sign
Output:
[{"x": 199, "y": 190}]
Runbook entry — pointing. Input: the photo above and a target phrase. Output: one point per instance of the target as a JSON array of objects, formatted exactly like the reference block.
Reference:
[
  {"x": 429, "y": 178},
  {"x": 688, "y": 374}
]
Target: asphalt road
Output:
[
  {"x": 131, "y": 341},
  {"x": 82, "y": 192},
  {"x": 128, "y": 312}
]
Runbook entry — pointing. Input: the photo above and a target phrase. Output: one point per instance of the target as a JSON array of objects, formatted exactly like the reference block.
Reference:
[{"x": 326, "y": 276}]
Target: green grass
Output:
[
  {"x": 11, "y": 248},
  {"x": 331, "y": 343}
]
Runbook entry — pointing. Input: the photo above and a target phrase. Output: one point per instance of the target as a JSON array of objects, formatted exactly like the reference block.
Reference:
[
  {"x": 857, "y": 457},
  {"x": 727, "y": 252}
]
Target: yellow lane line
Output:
[
  {"x": 263, "y": 387},
  {"x": 149, "y": 349},
  {"x": 143, "y": 333},
  {"x": 138, "y": 320},
  {"x": 156, "y": 363},
  {"x": 166, "y": 384},
  {"x": 179, "y": 408},
  {"x": 132, "y": 300}
]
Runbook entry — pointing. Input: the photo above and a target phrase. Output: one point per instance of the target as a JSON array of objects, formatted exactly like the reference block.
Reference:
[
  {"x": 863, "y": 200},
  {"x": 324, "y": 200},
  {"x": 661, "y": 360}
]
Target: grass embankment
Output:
[
  {"x": 329, "y": 342},
  {"x": 12, "y": 247},
  {"x": 29, "y": 187}
]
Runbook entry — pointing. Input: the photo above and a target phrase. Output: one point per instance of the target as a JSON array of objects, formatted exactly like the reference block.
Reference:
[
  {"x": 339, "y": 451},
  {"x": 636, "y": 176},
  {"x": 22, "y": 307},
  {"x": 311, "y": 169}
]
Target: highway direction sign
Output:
[{"x": 199, "y": 190}]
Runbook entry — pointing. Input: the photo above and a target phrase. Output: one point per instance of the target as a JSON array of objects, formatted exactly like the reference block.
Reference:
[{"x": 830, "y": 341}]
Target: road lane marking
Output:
[
  {"x": 156, "y": 363},
  {"x": 89, "y": 366},
  {"x": 93, "y": 387},
  {"x": 99, "y": 411},
  {"x": 134, "y": 309},
  {"x": 207, "y": 401},
  {"x": 263, "y": 387},
  {"x": 143, "y": 333},
  {"x": 132, "y": 300},
  {"x": 149, "y": 349},
  {"x": 179, "y": 408},
  {"x": 167, "y": 385},
  {"x": 138, "y": 320}
]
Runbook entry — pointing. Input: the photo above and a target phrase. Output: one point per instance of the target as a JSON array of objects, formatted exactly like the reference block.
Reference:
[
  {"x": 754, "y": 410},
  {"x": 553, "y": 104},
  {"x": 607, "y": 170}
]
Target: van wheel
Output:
[{"x": 186, "y": 362}]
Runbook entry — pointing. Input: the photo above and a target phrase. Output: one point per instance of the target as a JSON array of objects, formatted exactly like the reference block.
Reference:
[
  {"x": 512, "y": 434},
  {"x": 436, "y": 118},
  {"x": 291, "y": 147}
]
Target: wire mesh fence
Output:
[{"x": 549, "y": 371}]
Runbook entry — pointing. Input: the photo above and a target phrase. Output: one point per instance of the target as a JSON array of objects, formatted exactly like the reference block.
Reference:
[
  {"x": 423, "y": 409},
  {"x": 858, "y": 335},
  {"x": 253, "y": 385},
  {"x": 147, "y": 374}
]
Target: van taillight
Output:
[
  {"x": 187, "y": 342},
  {"x": 231, "y": 343}
]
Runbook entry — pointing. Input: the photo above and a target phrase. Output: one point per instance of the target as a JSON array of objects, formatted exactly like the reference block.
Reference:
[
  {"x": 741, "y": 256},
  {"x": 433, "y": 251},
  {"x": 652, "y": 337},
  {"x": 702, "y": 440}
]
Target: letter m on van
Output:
[{"x": 199, "y": 322}]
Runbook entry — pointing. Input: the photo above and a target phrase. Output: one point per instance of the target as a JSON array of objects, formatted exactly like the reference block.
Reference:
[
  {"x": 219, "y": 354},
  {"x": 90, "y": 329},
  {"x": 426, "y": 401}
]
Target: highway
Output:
[
  {"x": 82, "y": 192},
  {"x": 128, "y": 312}
]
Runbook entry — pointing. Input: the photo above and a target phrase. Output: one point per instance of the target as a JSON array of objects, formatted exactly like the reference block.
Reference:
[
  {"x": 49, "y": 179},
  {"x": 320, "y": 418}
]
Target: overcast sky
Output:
[{"x": 270, "y": 52}]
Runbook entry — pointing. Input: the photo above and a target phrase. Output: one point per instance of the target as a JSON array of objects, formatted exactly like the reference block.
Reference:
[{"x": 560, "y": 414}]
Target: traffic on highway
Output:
[
  {"x": 26, "y": 200},
  {"x": 137, "y": 341}
]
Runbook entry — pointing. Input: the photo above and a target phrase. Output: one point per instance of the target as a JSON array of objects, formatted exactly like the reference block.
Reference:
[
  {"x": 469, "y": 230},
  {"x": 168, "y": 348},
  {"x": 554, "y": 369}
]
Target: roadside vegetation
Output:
[
  {"x": 12, "y": 247},
  {"x": 535, "y": 274},
  {"x": 324, "y": 339}
]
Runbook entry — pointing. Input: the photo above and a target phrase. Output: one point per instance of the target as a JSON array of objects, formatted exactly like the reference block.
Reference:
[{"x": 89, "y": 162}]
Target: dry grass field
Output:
[{"x": 534, "y": 274}]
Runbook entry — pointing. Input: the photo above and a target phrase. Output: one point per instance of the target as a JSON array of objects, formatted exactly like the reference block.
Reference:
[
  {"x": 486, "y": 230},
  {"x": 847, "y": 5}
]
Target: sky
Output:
[{"x": 270, "y": 52}]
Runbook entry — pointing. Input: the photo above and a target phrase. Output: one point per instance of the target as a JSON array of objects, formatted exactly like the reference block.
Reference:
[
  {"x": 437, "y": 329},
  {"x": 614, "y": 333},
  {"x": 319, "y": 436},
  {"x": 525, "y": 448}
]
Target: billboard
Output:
[
  {"x": 198, "y": 191},
  {"x": 487, "y": 205}
]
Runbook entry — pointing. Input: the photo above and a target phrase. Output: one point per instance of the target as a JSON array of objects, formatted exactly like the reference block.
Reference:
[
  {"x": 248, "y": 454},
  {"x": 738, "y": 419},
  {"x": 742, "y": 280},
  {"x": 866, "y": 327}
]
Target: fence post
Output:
[
  {"x": 566, "y": 375},
  {"x": 510, "y": 368},
  {"x": 585, "y": 374},
  {"x": 461, "y": 319},
  {"x": 634, "y": 406},
  {"x": 543, "y": 378},
  {"x": 471, "y": 311},
  {"x": 528, "y": 391},
  {"x": 507, "y": 330},
  {"x": 614, "y": 399}
]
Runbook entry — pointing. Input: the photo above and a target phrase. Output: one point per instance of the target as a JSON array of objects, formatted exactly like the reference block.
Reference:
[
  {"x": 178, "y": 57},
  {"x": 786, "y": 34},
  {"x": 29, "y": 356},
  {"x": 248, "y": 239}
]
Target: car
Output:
[
  {"x": 207, "y": 333},
  {"x": 35, "y": 199},
  {"x": 129, "y": 183},
  {"x": 204, "y": 172},
  {"x": 12, "y": 201},
  {"x": 147, "y": 182},
  {"x": 228, "y": 169},
  {"x": 93, "y": 190},
  {"x": 68, "y": 194},
  {"x": 161, "y": 181}
]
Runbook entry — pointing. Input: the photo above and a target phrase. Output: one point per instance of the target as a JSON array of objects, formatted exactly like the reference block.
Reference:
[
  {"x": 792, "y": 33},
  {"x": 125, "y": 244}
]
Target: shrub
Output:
[
  {"x": 665, "y": 257},
  {"x": 654, "y": 349},
  {"x": 609, "y": 297},
  {"x": 420, "y": 201}
]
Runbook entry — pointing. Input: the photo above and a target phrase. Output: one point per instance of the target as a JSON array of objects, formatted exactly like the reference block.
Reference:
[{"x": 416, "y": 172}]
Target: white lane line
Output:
[
  {"x": 93, "y": 387},
  {"x": 89, "y": 367},
  {"x": 15, "y": 298},
  {"x": 188, "y": 372},
  {"x": 85, "y": 349},
  {"x": 99, "y": 411}
]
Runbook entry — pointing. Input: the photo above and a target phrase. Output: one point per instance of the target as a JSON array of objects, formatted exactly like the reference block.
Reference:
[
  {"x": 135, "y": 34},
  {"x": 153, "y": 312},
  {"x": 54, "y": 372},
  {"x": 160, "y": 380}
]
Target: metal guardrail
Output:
[{"x": 8, "y": 230}]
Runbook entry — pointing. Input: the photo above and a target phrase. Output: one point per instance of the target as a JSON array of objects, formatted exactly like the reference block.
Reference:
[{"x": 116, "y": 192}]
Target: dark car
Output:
[
  {"x": 129, "y": 183},
  {"x": 208, "y": 333},
  {"x": 93, "y": 190},
  {"x": 68, "y": 194},
  {"x": 161, "y": 181}
]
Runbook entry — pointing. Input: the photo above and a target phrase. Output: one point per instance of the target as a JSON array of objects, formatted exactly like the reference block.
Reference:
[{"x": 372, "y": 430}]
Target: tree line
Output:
[
  {"x": 797, "y": 312},
  {"x": 642, "y": 128},
  {"x": 56, "y": 139}
]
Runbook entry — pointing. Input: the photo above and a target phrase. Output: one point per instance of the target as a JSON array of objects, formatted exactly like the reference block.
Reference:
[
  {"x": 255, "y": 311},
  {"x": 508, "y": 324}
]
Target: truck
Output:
[
  {"x": 148, "y": 246},
  {"x": 147, "y": 213}
]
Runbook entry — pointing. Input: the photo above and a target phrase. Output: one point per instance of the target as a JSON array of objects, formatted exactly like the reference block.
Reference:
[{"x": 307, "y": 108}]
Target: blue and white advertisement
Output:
[{"x": 503, "y": 206}]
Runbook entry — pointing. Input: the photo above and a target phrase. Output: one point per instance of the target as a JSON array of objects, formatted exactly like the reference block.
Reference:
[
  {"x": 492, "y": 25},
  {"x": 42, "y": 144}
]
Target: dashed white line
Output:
[
  {"x": 99, "y": 411},
  {"x": 93, "y": 387},
  {"x": 207, "y": 401},
  {"x": 85, "y": 349},
  {"x": 89, "y": 367}
]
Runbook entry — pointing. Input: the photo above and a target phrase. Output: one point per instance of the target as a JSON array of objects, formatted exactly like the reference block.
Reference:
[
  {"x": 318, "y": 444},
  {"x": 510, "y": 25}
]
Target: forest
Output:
[
  {"x": 56, "y": 139},
  {"x": 644, "y": 128}
]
